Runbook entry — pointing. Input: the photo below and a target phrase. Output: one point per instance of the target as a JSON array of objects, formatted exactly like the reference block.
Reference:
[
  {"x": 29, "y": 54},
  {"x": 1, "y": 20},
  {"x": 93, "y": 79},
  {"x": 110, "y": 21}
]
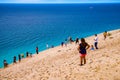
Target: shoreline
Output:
[
  {"x": 67, "y": 58},
  {"x": 11, "y": 62},
  {"x": 34, "y": 54}
]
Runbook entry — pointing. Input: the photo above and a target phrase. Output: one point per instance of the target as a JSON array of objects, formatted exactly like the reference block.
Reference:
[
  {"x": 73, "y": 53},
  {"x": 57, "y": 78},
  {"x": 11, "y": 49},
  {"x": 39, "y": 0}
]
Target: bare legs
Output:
[{"x": 82, "y": 58}]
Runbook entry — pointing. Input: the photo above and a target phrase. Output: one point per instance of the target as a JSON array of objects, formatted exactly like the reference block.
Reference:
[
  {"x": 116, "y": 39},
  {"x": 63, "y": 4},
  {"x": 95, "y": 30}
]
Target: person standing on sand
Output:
[
  {"x": 19, "y": 57},
  {"x": 62, "y": 43},
  {"x": 96, "y": 41},
  {"x": 71, "y": 40},
  {"x": 47, "y": 46},
  {"x": 83, "y": 46},
  {"x": 105, "y": 35},
  {"x": 27, "y": 54},
  {"x": 37, "y": 49},
  {"x": 14, "y": 59},
  {"x": 77, "y": 41}
]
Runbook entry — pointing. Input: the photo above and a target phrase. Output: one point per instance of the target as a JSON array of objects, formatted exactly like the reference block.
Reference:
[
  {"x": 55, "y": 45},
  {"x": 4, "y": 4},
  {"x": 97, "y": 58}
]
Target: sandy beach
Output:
[{"x": 62, "y": 63}]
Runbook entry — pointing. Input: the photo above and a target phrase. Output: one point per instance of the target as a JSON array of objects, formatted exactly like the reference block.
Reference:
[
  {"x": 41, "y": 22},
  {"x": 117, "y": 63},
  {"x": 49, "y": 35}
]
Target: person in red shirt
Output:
[{"x": 37, "y": 49}]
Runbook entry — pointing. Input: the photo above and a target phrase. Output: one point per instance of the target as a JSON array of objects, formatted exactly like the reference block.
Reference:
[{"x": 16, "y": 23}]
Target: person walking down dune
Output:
[
  {"x": 105, "y": 35},
  {"x": 83, "y": 46}
]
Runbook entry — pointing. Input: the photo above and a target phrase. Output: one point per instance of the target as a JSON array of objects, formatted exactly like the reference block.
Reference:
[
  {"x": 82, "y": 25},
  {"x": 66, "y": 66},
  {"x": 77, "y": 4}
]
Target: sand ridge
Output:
[{"x": 62, "y": 63}]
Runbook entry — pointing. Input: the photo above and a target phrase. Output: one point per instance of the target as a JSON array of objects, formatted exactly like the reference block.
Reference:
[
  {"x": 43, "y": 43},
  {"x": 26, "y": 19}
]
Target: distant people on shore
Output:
[
  {"x": 37, "y": 49},
  {"x": 83, "y": 46},
  {"x": 5, "y": 63},
  {"x": 14, "y": 59},
  {"x": 22, "y": 55},
  {"x": 47, "y": 46},
  {"x": 30, "y": 54},
  {"x": 27, "y": 54},
  {"x": 96, "y": 41},
  {"x": 105, "y": 35},
  {"x": 52, "y": 46},
  {"x": 66, "y": 42},
  {"x": 70, "y": 39},
  {"x": 62, "y": 43},
  {"x": 19, "y": 57},
  {"x": 77, "y": 41}
]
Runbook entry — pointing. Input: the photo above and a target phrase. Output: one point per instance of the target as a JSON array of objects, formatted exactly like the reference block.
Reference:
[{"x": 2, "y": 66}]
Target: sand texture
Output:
[{"x": 62, "y": 63}]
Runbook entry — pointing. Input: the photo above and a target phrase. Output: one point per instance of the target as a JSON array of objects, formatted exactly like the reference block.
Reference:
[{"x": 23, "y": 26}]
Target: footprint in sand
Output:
[
  {"x": 111, "y": 37},
  {"x": 59, "y": 50}
]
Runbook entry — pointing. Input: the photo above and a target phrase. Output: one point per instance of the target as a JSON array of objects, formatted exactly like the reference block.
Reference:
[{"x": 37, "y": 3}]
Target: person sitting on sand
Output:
[
  {"x": 52, "y": 46},
  {"x": 5, "y": 63},
  {"x": 22, "y": 55},
  {"x": 83, "y": 46},
  {"x": 30, "y": 54},
  {"x": 105, "y": 35},
  {"x": 70, "y": 39},
  {"x": 92, "y": 48}
]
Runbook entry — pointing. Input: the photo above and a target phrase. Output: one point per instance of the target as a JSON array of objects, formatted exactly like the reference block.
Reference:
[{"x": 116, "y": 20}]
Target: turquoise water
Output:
[{"x": 25, "y": 26}]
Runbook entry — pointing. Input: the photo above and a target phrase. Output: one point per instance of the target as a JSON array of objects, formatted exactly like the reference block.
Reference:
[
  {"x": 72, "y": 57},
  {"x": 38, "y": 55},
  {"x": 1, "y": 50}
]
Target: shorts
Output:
[{"x": 82, "y": 55}]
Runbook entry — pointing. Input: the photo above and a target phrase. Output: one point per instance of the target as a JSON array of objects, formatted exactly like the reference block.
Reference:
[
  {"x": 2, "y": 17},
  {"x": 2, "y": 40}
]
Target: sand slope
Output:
[{"x": 62, "y": 63}]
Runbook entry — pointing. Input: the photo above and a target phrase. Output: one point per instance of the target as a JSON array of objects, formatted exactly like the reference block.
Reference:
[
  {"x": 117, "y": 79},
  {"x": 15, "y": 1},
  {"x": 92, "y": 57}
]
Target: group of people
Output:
[
  {"x": 47, "y": 46},
  {"x": 69, "y": 40},
  {"x": 20, "y": 56},
  {"x": 83, "y": 46}
]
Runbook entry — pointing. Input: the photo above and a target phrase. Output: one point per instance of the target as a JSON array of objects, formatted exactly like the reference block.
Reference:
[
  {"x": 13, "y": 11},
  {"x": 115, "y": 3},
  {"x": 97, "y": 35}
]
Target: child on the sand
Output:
[{"x": 92, "y": 48}]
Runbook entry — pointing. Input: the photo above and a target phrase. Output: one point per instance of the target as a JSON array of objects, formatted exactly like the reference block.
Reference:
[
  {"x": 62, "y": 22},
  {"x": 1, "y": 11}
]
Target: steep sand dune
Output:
[{"x": 62, "y": 63}]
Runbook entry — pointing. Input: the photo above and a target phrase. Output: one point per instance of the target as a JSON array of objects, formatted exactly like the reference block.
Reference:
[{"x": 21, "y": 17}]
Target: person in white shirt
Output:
[
  {"x": 47, "y": 46},
  {"x": 96, "y": 41}
]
